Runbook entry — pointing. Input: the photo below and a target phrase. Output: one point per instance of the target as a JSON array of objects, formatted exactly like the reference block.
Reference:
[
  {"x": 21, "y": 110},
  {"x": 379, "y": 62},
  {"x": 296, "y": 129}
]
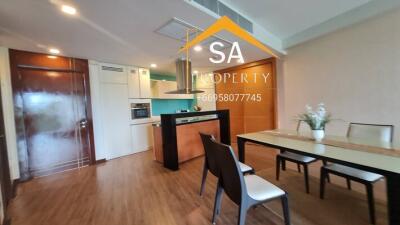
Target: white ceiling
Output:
[
  {"x": 285, "y": 18},
  {"x": 122, "y": 31}
]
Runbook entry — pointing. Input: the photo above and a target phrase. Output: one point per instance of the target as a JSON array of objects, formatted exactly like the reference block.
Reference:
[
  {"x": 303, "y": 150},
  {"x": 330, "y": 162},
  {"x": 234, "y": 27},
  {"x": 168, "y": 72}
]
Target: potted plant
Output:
[{"x": 316, "y": 120}]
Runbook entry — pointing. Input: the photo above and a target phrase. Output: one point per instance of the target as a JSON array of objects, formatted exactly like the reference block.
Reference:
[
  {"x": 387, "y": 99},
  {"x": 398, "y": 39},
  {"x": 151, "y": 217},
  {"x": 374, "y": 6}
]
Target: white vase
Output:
[{"x": 318, "y": 135}]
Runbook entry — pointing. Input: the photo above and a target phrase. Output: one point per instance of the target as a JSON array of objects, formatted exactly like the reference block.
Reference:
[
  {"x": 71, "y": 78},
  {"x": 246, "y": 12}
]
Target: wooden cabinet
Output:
[
  {"x": 188, "y": 139},
  {"x": 139, "y": 83},
  {"x": 160, "y": 87},
  {"x": 250, "y": 116}
]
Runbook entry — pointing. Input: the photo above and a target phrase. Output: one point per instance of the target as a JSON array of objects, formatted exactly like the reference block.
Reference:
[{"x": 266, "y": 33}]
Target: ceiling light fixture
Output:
[
  {"x": 54, "y": 51},
  {"x": 153, "y": 65},
  {"x": 240, "y": 61},
  {"x": 195, "y": 72},
  {"x": 198, "y": 48},
  {"x": 68, "y": 9}
]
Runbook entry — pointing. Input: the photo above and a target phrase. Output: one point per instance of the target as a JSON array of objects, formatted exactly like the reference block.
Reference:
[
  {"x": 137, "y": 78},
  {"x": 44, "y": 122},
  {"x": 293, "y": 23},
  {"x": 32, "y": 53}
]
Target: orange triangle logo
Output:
[{"x": 224, "y": 23}]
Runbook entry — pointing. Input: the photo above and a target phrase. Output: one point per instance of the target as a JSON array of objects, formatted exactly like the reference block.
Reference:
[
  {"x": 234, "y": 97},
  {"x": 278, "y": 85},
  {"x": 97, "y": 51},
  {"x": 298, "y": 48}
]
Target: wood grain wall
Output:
[{"x": 250, "y": 116}]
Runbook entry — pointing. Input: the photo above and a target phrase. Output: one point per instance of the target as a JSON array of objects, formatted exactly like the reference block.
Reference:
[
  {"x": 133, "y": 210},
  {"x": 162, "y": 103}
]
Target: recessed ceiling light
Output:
[
  {"x": 54, "y": 51},
  {"x": 240, "y": 61},
  {"x": 153, "y": 65},
  {"x": 195, "y": 72},
  {"x": 198, "y": 48},
  {"x": 68, "y": 9}
]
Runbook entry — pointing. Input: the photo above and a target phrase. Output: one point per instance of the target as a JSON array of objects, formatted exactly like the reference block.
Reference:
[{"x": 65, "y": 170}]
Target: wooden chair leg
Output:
[
  {"x": 298, "y": 168},
  {"x": 322, "y": 183},
  {"x": 217, "y": 202},
  {"x": 278, "y": 166},
  {"x": 242, "y": 214},
  {"x": 348, "y": 183},
  {"x": 203, "y": 178},
  {"x": 306, "y": 178},
  {"x": 371, "y": 203},
  {"x": 285, "y": 207}
]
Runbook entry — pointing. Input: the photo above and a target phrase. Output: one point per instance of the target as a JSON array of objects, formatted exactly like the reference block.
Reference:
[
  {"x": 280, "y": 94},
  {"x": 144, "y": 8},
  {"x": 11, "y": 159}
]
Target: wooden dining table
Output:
[{"x": 377, "y": 157}]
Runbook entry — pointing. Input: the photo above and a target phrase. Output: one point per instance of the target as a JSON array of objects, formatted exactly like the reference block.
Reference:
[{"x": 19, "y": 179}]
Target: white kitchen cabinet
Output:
[
  {"x": 133, "y": 82},
  {"x": 160, "y": 87},
  {"x": 115, "y": 74},
  {"x": 141, "y": 137},
  {"x": 111, "y": 87},
  {"x": 205, "y": 100},
  {"x": 115, "y": 119},
  {"x": 144, "y": 81},
  {"x": 139, "y": 83}
]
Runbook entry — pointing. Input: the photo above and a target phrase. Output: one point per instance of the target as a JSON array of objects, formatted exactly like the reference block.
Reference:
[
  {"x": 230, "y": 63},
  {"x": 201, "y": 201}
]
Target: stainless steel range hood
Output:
[{"x": 184, "y": 78}]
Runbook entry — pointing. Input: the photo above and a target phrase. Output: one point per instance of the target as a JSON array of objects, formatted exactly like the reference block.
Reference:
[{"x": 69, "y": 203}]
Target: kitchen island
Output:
[{"x": 177, "y": 139}]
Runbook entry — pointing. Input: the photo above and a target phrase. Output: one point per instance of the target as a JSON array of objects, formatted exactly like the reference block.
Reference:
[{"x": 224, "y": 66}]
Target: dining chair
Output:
[
  {"x": 210, "y": 163},
  {"x": 245, "y": 191},
  {"x": 370, "y": 132},
  {"x": 299, "y": 159}
]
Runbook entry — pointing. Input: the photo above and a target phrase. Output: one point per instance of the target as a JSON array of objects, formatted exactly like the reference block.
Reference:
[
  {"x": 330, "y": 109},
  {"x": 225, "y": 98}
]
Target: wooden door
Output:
[
  {"x": 259, "y": 115},
  {"x": 248, "y": 115},
  {"x": 236, "y": 110},
  {"x": 53, "y": 113},
  {"x": 5, "y": 180}
]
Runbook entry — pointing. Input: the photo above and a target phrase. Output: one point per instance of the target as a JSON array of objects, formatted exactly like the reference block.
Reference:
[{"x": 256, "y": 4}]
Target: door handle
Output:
[{"x": 83, "y": 123}]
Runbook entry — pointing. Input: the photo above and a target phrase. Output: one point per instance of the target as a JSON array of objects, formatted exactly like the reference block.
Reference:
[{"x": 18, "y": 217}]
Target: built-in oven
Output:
[{"x": 140, "y": 111}]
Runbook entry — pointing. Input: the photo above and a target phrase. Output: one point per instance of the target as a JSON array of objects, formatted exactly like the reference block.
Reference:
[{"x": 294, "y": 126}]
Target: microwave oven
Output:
[{"x": 140, "y": 111}]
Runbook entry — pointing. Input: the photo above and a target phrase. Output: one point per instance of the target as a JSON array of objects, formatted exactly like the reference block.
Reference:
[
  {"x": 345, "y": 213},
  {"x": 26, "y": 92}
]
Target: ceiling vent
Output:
[
  {"x": 221, "y": 9},
  {"x": 115, "y": 69},
  {"x": 176, "y": 29}
]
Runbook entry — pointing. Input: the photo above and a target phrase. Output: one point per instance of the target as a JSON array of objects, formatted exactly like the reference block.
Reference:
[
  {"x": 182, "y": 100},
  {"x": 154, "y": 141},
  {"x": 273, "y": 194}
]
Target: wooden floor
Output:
[{"x": 135, "y": 190}]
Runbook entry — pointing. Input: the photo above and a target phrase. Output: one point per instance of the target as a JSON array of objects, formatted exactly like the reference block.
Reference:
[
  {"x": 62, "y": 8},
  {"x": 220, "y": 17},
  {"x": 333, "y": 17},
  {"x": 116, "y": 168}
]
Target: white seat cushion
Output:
[
  {"x": 244, "y": 168},
  {"x": 361, "y": 174},
  {"x": 260, "y": 189},
  {"x": 297, "y": 157}
]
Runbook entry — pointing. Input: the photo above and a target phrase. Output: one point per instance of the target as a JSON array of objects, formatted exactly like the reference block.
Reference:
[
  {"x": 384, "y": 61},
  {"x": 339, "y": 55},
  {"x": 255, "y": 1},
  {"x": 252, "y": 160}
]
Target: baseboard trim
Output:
[
  {"x": 101, "y": 161},
  {"x": 14, "y": 187},
  {"x": 6, "y": 221}
]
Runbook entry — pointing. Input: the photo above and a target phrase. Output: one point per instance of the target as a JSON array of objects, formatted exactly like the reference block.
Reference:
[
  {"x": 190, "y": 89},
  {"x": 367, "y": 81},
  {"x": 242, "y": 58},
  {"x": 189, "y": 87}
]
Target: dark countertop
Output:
[
  {"x": 187, "y": 120},
  {"x": 169, "y": 131}
]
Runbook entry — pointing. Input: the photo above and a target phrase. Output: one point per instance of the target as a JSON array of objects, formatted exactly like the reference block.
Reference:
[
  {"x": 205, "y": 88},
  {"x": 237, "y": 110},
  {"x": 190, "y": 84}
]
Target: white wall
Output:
[
  {"x": 354, "y": 71},
  {"x": 8, "y": 112}
]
